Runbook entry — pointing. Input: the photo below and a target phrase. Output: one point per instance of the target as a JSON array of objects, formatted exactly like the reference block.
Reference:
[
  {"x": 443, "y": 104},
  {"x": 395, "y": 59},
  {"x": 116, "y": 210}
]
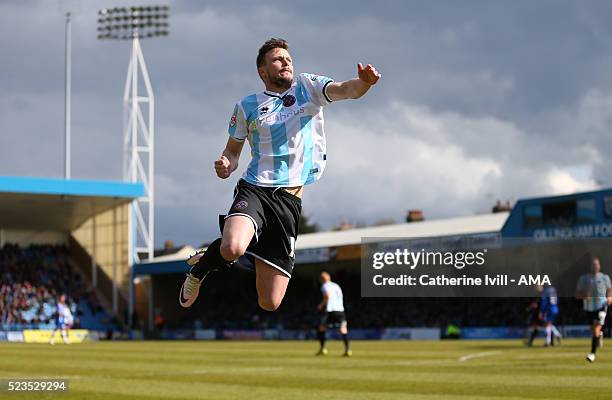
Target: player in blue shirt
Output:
[
  {"x": 284, "y": 128},
  {"x": 549, "y": 310}
]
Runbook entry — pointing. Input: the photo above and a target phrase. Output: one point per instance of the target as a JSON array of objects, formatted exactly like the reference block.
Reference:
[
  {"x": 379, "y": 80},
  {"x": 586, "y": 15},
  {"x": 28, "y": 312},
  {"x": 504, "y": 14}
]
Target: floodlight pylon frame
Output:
[
  {"x": 135, "y": 23},
  {"x": 139, "y": 153}
]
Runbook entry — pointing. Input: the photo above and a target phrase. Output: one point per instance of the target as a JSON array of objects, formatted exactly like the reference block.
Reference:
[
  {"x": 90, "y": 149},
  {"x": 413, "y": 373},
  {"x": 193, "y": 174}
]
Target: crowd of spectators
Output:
[{"x": 31, "y": 280}]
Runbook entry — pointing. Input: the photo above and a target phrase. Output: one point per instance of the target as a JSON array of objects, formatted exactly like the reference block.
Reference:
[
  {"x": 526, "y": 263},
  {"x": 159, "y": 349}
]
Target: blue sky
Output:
[{"x": 480, "y": 100}]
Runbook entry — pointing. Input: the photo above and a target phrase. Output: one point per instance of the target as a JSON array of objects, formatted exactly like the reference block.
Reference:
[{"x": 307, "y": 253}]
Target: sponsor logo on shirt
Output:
[{"x": 282, "y": 116}]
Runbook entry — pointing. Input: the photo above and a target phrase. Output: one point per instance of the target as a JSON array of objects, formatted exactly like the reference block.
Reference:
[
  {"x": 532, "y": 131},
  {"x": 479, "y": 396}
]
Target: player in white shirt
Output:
[
  {"x": 284, "y": 128},
  {"x": 595, "y": 290},
  {"x": 333, "y": 307},
  {"x": 63, "y": 320}
]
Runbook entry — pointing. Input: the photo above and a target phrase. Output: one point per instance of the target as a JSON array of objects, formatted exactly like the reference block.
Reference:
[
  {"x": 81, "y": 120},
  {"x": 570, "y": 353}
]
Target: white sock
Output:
[{"x": 548, "y": 334}]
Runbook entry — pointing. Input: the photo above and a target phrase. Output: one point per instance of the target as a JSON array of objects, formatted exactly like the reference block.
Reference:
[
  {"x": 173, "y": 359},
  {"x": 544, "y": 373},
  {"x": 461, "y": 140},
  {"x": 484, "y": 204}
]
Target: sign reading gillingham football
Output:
[{"x": 574, "y": 232}]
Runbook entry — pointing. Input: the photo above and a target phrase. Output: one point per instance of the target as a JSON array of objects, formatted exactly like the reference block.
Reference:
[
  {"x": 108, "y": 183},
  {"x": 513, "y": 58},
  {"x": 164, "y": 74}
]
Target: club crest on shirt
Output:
[
  {"x": 233, "y": 121},
  {"x": 241, "y": 205},
  {"x": 263, "y": 110}
]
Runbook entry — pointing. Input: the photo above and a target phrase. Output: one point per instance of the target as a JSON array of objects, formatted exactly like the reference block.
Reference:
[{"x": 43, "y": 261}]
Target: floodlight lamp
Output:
[{"x": 133, "y": 22}]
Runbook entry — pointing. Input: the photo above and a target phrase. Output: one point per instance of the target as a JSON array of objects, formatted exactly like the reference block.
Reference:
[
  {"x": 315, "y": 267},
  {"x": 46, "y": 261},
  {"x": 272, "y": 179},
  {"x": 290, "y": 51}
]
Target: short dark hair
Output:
[{"x": 274, "y": 43}]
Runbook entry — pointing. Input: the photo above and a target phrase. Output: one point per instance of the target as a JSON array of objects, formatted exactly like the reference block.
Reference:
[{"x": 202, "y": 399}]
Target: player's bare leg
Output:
[
  {"x": 271, "y": 285},
  {"x": 237, "y": 234},
  {"x": 65, "y": 333},
  {"x": 52, "y": 341}
]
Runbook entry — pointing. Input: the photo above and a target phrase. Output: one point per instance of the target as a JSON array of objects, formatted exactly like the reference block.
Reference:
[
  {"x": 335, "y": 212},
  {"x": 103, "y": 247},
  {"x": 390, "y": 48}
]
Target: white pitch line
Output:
[{"x": 478, "y": 355}]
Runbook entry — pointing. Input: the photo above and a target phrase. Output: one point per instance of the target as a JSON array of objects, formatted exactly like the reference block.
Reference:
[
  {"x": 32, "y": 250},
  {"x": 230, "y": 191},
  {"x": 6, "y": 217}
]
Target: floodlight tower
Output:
[{"x": 135, "y": 23}]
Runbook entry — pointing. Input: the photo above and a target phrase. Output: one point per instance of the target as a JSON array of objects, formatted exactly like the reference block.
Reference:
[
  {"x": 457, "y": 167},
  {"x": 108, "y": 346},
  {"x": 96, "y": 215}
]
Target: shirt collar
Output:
[{"x": 280, "y": 95}]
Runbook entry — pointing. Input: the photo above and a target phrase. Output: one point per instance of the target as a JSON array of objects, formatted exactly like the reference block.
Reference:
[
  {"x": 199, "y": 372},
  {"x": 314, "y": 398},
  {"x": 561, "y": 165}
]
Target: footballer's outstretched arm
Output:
[
  {"x": 356, "y": 87},
  {"x": 228, "y": 162}
]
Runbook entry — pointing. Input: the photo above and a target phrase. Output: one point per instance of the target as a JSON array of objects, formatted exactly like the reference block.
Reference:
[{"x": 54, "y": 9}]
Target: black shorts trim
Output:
[{"x": 271, "y": 264}]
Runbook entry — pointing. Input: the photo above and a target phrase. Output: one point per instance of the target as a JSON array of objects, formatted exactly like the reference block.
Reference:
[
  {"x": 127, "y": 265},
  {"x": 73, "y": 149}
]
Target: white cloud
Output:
[
  {"x": 562, "y": 182},
  {"x": 408, "y": 156},
  {"x": 382, "y": 164}
]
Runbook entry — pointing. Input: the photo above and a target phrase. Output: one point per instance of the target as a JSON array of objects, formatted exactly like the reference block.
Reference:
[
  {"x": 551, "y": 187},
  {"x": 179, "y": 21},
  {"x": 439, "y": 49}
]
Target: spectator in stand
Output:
[
  {"x": 160, "y": 321},
  {"x": 31, "y": 278}
]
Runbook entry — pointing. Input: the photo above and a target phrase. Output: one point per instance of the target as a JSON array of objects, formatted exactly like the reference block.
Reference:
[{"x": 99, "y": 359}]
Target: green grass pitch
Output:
[{"x": 420, "y": 370}]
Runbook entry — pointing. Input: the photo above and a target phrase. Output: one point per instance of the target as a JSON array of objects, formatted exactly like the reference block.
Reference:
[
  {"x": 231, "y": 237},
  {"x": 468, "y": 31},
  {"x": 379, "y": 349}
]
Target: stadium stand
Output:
[
  {"x": 31, "y": 280},
  {"x": 64, "y": 237}
]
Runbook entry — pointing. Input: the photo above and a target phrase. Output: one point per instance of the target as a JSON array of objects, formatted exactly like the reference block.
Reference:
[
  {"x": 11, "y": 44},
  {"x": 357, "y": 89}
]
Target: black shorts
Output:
[
  {"x": 598, "y": 316},
  {"x": 334, "y": 319},
  {"x": 275, "y": 214}
]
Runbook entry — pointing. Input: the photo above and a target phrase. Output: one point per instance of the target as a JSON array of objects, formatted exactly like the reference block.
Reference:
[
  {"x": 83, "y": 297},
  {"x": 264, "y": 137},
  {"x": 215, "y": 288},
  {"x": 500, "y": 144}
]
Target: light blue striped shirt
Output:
[
  {"x": 285, "y": 132},
  {"x": 596, "y": 287}
]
